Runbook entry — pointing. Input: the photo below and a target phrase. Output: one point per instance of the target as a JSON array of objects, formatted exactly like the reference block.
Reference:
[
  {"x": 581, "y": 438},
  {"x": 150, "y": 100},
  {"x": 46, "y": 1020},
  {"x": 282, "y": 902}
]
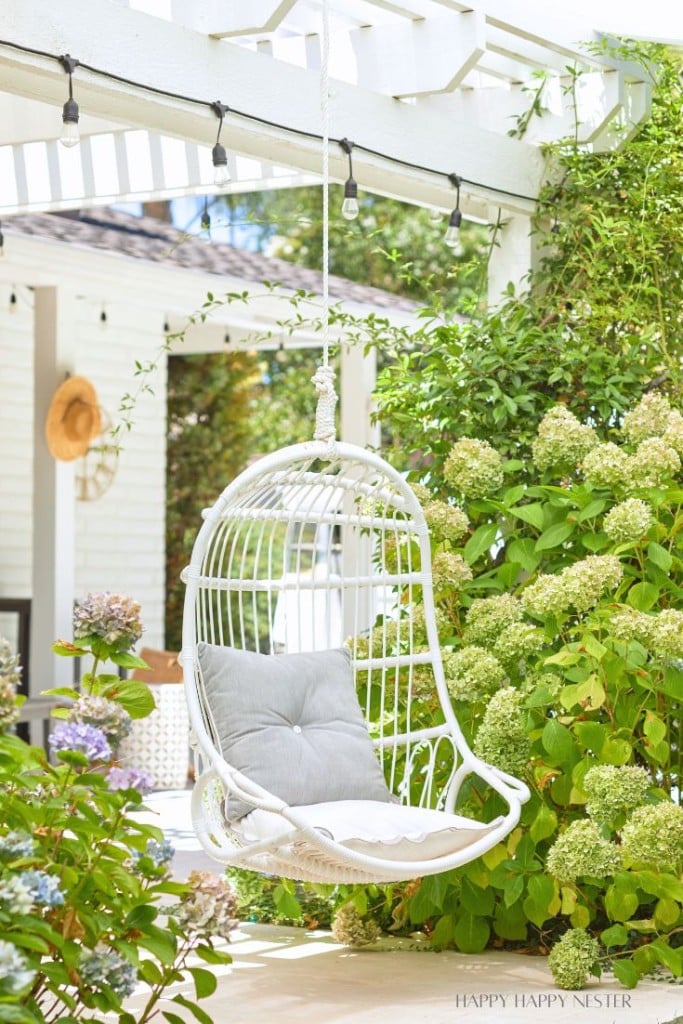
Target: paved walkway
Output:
[{"x": 291, "y": 976}]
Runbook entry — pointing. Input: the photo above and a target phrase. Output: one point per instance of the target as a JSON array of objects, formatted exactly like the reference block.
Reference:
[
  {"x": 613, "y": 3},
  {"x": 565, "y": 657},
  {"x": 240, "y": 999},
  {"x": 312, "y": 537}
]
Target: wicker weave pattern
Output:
[{"x": 312, "y": 547}]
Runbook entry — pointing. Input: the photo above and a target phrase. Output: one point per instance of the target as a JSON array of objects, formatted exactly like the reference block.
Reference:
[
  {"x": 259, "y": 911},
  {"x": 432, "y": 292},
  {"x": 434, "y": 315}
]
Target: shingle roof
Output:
[{"x": 152, "y": 240}]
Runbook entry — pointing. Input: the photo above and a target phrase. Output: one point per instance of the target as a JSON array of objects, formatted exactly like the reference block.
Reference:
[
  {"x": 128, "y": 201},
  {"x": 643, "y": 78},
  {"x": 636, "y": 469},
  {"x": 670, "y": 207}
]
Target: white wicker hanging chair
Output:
[
  {"x": 320, "y": 544},
  {"x": 304, "y": 549}
]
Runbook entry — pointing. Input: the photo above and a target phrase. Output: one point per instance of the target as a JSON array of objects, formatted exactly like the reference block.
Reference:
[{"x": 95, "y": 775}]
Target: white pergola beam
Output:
[
  {"x": 225, "y": 18},
  {"x": 174, "y": 59},
  {"x": 417, "y": 57}
]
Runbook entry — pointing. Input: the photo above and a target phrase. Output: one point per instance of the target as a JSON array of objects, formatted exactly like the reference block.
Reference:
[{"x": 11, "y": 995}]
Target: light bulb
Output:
[
  {"x": 435, "y": 215},
  {"x": 350, "y": 209},
  {"x": 13, "y": 302},
  {"x": 219, "y": 157},
  {"x": 70, "y": 134},
  {"x": 452, "y": 236}
]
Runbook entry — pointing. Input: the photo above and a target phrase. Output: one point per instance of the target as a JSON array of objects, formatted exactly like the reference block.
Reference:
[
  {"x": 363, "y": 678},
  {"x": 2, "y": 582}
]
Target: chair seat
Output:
[{"x": 369, "y": 827}]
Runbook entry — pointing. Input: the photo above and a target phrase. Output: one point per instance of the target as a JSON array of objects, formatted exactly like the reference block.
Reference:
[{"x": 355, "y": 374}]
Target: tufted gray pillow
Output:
[{"x": 293, "y": 724}]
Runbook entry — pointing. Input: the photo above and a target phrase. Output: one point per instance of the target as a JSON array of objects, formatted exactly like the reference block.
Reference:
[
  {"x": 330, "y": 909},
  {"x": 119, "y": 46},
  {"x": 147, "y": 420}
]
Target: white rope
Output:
[{"x": 324, "y": 375}]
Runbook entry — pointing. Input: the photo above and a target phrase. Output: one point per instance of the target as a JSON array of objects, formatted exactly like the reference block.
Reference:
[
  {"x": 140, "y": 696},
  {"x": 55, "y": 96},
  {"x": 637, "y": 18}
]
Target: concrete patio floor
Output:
[{"x": 292, "y": 976}]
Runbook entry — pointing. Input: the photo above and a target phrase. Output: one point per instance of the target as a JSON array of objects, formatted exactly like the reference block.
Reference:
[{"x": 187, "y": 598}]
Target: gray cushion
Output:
[{"x": 293, "y": 724}]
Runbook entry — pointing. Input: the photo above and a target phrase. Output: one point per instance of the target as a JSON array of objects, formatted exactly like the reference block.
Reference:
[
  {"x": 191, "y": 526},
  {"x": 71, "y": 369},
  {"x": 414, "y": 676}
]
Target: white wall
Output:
[{"x": 119, "y": 537}]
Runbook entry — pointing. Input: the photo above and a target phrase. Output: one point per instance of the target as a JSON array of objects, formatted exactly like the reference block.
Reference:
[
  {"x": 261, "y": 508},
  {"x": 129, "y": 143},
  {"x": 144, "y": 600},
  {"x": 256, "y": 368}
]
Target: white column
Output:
[
  {"x": 53, "y": 496},
  {"x": 512, "y": 257},
  {"x": 357, "y": 382},
  {"x": 358, "y": 374}
]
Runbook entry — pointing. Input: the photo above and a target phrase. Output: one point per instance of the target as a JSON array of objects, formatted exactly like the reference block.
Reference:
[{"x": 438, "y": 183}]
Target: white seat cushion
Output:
[{"x": 388, "y": 831}]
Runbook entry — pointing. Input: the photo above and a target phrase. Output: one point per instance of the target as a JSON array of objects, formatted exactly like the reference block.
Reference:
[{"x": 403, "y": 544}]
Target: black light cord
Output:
[{"x": 301, "y": 132}]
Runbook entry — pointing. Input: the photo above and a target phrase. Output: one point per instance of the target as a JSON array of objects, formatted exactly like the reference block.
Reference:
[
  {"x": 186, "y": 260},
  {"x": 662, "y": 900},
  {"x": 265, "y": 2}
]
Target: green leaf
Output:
[
  {"x": 161, "y": 946},
  {"x": 557, "y": 741},
  {"x": 594, "y": 508},
  {"x": 642, "y": 596},
  {"x": 205, "y": 982},
  {"x": 616, "y": 751},
  {"x": 213, "y": 956},
  {"x": 480, "y": 542},
  {"x": 591, "y": 735},
  {"x": 533, "y": 514},
  {"x": 201, "y": 1015},
  {"x": 659, "y": 556},
  {"x": 135, "y": 697},
  {"x": 667, "y": 914},
  {"x": 544, "y": 823},
  {"x": 471, "y": 933},
  {"x": 615, "y": 935},
  {"x": 521, "y": 551},
  {"x": 172, "y": 1018},
  {"x": 444, "y": 933},
  {"x": 554, "y": 536},
  {"x": 127, "y": 660},
  {"x": 625, "y": 971},
  {"x": 514, "y": 887},
  {"x": 620, "y": 905},
  {"x": 671, "y": 958}
]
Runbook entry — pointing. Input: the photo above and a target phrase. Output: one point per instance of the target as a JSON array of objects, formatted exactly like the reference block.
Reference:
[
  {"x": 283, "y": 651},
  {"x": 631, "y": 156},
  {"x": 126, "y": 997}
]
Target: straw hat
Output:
[{"x": 73, "y": 419}]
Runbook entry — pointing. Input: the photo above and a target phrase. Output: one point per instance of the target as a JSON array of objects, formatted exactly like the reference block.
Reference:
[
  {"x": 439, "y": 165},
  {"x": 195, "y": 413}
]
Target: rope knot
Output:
[{"x": 327, "y": 401}]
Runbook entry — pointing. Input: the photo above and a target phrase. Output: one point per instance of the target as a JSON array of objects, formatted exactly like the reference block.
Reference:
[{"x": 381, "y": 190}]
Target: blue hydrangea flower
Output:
[
  {"x": 160, "y": 853},
  {"x": 16, "y": 844},
  {"x": 15, "y": 974},
  {"x": 44, "y": 888},
  {"x": 84, "y": 739},
  {"x": 103, "y": 966},
  {"x": 130, "y": 778}
]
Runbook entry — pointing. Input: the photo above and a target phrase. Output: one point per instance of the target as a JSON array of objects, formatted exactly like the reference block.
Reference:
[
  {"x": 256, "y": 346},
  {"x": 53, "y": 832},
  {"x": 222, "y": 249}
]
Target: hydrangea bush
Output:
[
  {"x": 563, "y": 656},
  {"x": 89, "y": 913}
]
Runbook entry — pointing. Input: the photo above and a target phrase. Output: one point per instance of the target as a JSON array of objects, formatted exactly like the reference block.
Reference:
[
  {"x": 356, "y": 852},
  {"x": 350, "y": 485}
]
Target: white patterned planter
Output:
[{"x": 160, "y": 744}]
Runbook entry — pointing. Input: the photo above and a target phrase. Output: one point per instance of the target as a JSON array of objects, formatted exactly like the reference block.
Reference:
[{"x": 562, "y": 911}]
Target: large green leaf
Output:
[
  {"x": 471, "y": 933},
  {"x": 554, "y": 536}
]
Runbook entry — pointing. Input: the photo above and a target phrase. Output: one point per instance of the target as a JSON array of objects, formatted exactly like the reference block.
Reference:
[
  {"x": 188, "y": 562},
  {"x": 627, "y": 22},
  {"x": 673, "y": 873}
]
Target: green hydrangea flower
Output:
[
  {"x": 579, "y": 586},
  {"x": 449, "y": 572},
  {"x": 654, "y": 835},
  {"x": 472, "y": 674},
  {"x": 649, "y": 418},
  {"x": 653, "y": 463},
  {"x": 502, "y": 739},
  {"x": 673, "y": 435},
  {"x": 487, "y": 617},
  {"x": 612, "y": 790},
  {"x": 573, "y": 958},
  {"x": 606, "y": 465},
  {"x": 352, "y": 929},
  {"x": 474, "y": 468},
  {"x": 447, "y": 523},
  {"x": 581, "y": 850},
  {"x": 628, "y": 521},
  {"x": 562, "y": 440},
  {"x": 517, "y": 642}
]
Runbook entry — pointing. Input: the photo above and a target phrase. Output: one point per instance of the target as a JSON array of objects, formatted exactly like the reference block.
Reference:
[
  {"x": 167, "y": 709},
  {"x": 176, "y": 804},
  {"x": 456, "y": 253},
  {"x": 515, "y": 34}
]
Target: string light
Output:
[
  {"x": 70, "y": 135},
  {"x": 452, "y": 236},
  {"x": 13, "y": 301},
  {"x": 103, "y": 316},
  {"x": 219, "y": 157},
  {"x": 267, "y": 122},
  {"x": 350, "y": 205},
  {"x": 2, "y": 244},
  {"x": 205, "y": 222}
]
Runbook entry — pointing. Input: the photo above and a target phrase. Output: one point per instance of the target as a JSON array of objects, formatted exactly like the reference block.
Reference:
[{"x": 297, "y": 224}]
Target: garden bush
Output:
[
  {"x": 87, "y": 906},
  {"x": 563, "y": 654}
]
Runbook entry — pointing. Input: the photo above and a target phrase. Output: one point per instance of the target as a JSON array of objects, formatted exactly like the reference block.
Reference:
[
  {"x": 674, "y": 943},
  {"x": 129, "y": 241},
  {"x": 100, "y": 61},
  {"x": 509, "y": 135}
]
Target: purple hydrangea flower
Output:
[
  {"x": 130, "y": 778},
  {"x": 114, "y": 618},
  {"x": 84, "y": 739}
]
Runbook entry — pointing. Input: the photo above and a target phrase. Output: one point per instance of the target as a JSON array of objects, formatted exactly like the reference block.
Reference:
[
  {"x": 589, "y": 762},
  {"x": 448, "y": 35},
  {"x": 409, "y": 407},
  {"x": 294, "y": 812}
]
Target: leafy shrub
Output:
[
  {"x": 87, "y": 907},
  {"x": 564, "y": 660}
]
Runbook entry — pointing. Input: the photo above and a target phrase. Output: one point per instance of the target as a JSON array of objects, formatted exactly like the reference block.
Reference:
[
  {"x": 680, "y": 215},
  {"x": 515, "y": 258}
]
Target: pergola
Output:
[{"x": 423, "y": 88}]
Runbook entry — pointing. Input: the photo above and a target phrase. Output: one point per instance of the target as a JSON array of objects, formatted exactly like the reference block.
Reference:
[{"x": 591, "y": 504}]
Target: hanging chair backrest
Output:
[{"x": 307, "y": 552}]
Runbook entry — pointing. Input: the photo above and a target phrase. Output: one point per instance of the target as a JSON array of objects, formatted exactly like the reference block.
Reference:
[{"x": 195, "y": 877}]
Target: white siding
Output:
[{"x": 119, "y": 537}]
